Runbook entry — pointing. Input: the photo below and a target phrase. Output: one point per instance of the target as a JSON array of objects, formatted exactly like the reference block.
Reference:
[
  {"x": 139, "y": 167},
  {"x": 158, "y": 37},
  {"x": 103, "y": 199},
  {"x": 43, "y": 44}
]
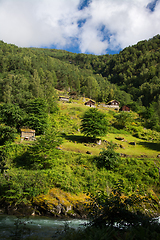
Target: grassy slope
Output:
[
  {"x": 76, "y": 172},
  {"x": 72, "y": 113}
]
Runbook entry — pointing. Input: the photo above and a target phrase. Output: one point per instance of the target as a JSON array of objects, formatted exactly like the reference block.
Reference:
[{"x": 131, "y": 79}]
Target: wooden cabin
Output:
[
  {"x": 90, "y": 103},
  {"x": 27, "y": 134},
  {"x": 113, "y": 104}
]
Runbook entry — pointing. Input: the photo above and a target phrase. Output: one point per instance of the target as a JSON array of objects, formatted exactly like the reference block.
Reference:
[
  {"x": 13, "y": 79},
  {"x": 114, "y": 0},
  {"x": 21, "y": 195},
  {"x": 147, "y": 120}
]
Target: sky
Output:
[{"x": 80, "y": 26}]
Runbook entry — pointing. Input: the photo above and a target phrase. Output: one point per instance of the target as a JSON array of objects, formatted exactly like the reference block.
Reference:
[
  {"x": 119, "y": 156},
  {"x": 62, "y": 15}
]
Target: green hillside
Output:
[
  {"x": 131, "y": 77},
  {"x": 60, "y": 157},
  {"x": 62, "y": 170}
]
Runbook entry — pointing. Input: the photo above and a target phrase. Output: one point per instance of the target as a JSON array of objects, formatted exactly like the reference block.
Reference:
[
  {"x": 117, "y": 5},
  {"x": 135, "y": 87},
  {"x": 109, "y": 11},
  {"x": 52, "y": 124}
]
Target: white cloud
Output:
[{"x": 51, "y": 22}]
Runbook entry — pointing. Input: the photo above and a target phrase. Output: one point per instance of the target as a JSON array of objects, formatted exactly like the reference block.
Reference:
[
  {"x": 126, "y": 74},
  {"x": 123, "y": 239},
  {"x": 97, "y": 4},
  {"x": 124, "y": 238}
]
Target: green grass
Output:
[
  {"x": 142, "y": 147},
  {"x": 71, "y": 113}
]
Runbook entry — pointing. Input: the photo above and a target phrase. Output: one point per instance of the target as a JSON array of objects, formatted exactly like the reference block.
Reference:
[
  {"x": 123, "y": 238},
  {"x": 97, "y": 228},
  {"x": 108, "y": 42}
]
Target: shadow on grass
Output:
[
  {"x": 78, "y": 139},
  {"x": 152, "y": 146}
]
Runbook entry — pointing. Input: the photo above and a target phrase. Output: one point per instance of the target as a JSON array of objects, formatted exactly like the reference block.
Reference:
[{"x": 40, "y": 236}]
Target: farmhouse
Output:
[
  {"x": 27, "y": 134},
  {"x": 90, "y": 103},
  {"x": 113, "y": 104}
]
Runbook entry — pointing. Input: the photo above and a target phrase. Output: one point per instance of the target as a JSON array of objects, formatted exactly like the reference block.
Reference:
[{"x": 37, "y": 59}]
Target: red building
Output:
[{"x": 125, "y": 108}]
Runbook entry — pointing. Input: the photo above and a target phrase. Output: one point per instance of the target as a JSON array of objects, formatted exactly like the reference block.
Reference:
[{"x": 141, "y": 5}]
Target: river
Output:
[{"x": 36, "y": 226}]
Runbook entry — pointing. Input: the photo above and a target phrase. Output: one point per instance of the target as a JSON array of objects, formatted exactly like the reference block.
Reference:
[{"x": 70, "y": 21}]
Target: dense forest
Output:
[{"x": 132, "y": 77}]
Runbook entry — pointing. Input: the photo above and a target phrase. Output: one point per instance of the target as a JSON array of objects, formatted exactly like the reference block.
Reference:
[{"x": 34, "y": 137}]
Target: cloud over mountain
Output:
[{"x": 93, "y": 26}]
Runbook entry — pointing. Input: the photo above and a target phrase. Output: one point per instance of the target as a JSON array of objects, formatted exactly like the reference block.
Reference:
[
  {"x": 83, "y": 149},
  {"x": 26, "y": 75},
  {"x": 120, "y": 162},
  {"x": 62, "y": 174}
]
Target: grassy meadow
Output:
[{"x": 68, "y": 122}]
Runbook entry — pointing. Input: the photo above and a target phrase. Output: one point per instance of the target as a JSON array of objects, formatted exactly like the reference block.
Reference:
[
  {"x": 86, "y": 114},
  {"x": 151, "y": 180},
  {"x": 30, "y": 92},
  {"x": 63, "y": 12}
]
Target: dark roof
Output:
[
  {"x": 90, "y": 101},
  {"x": 112, "y": 101}
]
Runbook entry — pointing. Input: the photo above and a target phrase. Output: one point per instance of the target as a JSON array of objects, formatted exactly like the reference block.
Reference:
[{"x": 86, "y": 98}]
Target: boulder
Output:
[
  {"x": 119, "y": 138},
  {"x": 132, "y": 143},
  {"x": 99, "y": 142},
  {"x": 88, "y": 152}
]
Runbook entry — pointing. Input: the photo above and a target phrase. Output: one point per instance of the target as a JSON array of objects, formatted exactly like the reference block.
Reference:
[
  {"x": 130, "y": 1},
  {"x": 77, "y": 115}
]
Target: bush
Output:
[
  {"x": 7, "y": 134},
  {"x": 108, "y": 158}
]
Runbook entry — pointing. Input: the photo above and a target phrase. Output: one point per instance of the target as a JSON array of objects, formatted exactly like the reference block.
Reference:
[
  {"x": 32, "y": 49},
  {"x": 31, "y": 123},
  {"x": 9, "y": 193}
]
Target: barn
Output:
[{"x": 125, "y": 108}]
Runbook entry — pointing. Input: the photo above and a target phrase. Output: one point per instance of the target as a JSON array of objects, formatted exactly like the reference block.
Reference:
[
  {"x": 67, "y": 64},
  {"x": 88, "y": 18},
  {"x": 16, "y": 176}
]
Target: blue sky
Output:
[{"x": 80, "y": 26}]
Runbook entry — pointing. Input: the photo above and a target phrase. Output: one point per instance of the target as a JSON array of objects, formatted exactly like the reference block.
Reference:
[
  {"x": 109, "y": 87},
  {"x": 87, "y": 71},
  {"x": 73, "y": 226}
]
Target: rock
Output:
[
  {"x": 59, "y": 209},
  {"x": 68, "y": 208},
  {"x": 123, "y": 155},
  {"x": 88, "y": 152},
  {"x": 158, "y": 156},
  {"x": 99, "y": 142},
  {"x": 33, "y": 213},
  {"x": 121, "y": 146},
  {"x": 119, "y": 138},
  {"x": 132, "y": 143}
]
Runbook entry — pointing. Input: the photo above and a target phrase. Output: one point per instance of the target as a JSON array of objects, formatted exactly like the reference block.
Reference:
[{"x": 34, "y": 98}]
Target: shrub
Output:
[
  {"x": 108, "y": 158},
  {"x": 7, "y": 134}
]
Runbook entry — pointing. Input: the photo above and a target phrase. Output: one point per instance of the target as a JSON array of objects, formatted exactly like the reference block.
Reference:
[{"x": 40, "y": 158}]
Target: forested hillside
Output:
[
  {"x": 132, "y": 77},
  {"x": 135, "y": 70},
  {"x": 107, "y": 161}
]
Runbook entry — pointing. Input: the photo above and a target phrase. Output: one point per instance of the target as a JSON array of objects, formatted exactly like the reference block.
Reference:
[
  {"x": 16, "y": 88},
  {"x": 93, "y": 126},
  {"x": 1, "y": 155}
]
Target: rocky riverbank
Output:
[{"x": 56, "y": 203}]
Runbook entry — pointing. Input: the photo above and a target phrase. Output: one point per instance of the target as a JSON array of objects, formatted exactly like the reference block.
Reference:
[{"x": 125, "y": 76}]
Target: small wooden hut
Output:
[{"x": 27, "y": 134}]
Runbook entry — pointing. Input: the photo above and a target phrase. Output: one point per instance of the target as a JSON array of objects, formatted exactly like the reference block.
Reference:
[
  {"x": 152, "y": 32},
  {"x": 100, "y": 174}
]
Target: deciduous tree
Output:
[{"x": 94, "y": 123}]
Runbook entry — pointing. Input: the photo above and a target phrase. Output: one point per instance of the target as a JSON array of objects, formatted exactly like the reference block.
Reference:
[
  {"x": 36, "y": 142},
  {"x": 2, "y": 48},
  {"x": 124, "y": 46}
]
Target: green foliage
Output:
[
  {"x": 108, "y": 158},
  {"x": 36, "y": 115},
  {"x": 122, "y": 119},
  {"x": 94, "y": 123},
  {"x": 122, "y": 210},
  {"x": 91, "y": 88},
  {"x": 41, "y": 154},
  {"x": 35, "y": 73},
  {"x": 7, "y": 134},
  {"x": 28, "y": 78},
  {"x": 19, "y": 186},
  {"x": 12, "y": 115}
]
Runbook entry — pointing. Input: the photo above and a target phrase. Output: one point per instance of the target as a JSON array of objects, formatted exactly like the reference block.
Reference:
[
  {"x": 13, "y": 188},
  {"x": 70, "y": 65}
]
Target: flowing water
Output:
[{"x": 40, "y": 227}]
